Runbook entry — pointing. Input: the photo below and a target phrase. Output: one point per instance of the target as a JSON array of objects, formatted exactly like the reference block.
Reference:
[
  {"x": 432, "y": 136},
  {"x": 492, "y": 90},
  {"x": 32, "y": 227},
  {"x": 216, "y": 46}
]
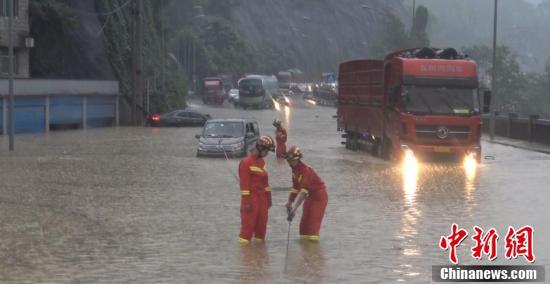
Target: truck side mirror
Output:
[
  {"x": 393, "y": 96},
  {"x": 487, "y": 101}
]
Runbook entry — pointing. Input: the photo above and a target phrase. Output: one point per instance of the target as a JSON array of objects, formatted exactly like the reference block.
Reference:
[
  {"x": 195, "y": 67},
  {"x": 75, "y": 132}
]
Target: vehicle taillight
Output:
[{"x": 155, "y": 117}]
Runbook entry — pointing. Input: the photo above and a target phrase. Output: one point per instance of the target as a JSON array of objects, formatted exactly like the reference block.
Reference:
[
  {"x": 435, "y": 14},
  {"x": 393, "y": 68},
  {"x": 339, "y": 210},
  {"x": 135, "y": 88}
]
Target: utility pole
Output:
[
  {"x": 11, "y": 116},
  {"x": 163, "y": 27},
  {"x": 493, "y": 76},
  {"x": 137, "y": 62},
  {"x": 194, "y": 67},
  {"x": 134, "y": 62},
  {"x": 414, "y": 13}
]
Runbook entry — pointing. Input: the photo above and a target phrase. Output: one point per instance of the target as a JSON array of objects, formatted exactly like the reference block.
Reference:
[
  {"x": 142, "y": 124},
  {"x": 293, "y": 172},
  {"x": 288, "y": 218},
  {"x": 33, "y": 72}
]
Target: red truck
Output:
[
  {"x": 213, "y": 90},
  {"x": 421, "y": 101}
]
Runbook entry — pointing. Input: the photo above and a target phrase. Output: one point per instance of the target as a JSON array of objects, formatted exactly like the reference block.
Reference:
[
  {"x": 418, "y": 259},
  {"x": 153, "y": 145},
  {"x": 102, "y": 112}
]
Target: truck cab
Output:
[
  {"x": 416, "y": 101},
  {"x": 432, "y": 103},
  {"x": 213, "y": 91}
]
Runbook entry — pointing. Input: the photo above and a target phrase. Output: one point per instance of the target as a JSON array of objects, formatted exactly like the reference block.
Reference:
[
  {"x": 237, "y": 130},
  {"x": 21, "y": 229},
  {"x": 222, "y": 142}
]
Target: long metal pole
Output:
[
  {"x": 414, "y": 13},
  {"x": 163, "y": 32},
  {"x": 493, "y": 76},
  {"x": 134, "y": 62},
  {"x": 139, "y": 114},
  {"x": 10, "y": 66}
]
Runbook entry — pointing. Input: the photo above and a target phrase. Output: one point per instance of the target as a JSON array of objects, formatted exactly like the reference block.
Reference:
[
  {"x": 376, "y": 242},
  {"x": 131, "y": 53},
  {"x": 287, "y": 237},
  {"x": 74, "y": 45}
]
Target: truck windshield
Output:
[
  {"x": 440, "y": 100},
  {"x": 223, "y": 129}
]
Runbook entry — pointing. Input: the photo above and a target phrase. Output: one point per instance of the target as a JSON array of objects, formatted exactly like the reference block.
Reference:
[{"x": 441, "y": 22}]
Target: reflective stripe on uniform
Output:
[
  {"x": 304, "y": 191},
  {"x": 294, "y": 190},
  {"x": 256, "y": 169},
  {"x": 243, "y": 241},
  {"x": 258, "y": 239},
  {"x": 245, "y": 192},
  {"x": 309, "y": 237},
  {"x": 268, "y": 188},
  {"x": 299, "y": 178}
]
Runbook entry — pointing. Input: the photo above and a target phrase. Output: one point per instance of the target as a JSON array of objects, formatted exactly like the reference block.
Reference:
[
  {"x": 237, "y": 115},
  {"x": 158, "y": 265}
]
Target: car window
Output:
[
  {"x": 256, "y": 128},
  {"x": 170, "y": 114},
  {"x": 222, "y": 129},
  {"x": 183, "y": 114},
  {"x": 195, "y": 115}
]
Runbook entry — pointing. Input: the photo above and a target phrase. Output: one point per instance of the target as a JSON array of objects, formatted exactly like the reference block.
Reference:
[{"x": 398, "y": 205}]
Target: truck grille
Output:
[{"x": 442, "y": 132}]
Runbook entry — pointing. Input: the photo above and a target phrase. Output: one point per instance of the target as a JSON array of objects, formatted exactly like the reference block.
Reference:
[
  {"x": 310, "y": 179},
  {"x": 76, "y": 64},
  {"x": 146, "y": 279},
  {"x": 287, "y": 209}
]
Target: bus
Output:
[{"x": 258, "y": 91}]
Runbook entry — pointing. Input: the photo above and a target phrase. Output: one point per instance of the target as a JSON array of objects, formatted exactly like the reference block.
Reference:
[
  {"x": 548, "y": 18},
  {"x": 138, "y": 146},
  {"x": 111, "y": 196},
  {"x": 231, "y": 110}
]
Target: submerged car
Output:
[
  {"x": 178, "y": 118},
  {"x": 232, "y": 137}
]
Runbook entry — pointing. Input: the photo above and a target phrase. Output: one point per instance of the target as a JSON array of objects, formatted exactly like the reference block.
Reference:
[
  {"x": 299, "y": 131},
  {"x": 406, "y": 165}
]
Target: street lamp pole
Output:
[
  {"x": 493, "y": 76},
  {"x": 11, "y": 124},
  {"x": 414, "y": 12}
]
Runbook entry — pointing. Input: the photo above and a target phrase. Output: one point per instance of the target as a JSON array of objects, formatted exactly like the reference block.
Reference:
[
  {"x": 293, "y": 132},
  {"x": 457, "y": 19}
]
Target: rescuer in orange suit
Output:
[
  {"x": 280, "y": 137},
  {"x": 308, "y": 187},
  {"x": 255, "y": 191}
]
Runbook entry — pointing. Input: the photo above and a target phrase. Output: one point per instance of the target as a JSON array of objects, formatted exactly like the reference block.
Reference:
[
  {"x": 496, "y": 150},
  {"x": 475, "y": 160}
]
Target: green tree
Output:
[
  {"x": 393, "y": 37},
  {"x": 511, "y": 83},
  {"x": 418, "y": 35},
  {"x": 118, "y": 36}
]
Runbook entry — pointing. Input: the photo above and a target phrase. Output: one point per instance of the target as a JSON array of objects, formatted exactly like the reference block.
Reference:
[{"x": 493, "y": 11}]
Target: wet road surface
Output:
[{"x": 134, "y": 205}]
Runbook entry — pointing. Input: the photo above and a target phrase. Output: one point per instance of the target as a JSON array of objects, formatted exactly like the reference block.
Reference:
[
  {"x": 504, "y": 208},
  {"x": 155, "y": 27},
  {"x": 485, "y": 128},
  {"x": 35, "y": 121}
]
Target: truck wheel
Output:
[
  {"x": 376, "y": 148},
  {"x": 348, "y": 140},
  {"x": 384, "y": 149},
  {"x": 351, "y": 141}
]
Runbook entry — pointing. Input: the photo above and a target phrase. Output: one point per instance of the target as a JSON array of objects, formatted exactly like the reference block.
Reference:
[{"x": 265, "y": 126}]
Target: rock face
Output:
[
  {"x": 313, "y": 35},
  {"x": 71, "y": 49}
]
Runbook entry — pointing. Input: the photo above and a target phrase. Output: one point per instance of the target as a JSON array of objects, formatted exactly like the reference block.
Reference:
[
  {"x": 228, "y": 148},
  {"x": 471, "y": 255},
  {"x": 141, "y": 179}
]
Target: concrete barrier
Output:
[{"x": 530, "y": 128}]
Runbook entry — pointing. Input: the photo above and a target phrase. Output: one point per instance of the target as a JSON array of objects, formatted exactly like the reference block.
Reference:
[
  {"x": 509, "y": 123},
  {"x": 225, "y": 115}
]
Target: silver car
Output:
[{"x": 234, "y": 137}]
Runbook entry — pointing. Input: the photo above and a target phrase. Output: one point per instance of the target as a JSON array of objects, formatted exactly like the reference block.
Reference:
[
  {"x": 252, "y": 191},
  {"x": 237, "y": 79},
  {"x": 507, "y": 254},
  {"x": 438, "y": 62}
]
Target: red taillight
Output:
[{"x": 155, "y": 117}]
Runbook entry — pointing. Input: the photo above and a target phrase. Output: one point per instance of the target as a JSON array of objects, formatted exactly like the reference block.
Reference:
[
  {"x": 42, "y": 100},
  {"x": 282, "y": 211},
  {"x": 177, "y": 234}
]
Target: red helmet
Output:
[
  {"x": 277, "y": 123},
  {"x": 265, "y": 142},
  {"x": 294, "y": 153}
]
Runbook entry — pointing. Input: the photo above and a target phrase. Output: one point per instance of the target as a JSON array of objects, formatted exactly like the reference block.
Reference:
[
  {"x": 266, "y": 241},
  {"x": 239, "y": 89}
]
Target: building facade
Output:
[{"x": 20, "y": 37}]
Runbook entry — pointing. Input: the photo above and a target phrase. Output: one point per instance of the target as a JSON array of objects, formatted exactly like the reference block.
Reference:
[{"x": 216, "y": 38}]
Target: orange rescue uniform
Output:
[
  {"x": 255, "y": 198},
  {"x": 280, "y": 137},
  {"x": 304, "y": 179}
]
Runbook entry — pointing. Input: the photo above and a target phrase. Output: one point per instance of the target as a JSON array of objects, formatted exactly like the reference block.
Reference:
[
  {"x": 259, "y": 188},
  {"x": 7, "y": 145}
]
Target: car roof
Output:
[
  {"x": 183, "y": 110},
  {"x": 232, "y": 120}
]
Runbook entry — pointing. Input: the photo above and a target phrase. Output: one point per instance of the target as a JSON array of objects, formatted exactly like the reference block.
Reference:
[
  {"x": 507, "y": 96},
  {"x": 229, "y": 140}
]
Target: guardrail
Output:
[{"x": 532, "y": 128}]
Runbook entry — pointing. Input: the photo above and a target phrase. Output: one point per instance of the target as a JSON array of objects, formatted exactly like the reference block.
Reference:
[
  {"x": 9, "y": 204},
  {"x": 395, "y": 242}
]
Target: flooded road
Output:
[{"x": 134, "y": 205}]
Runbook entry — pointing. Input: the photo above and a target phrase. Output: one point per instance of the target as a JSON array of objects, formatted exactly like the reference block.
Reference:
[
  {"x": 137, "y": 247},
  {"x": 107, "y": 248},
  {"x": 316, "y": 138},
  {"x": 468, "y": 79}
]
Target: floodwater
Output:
[{"x": 134, "y": 205}]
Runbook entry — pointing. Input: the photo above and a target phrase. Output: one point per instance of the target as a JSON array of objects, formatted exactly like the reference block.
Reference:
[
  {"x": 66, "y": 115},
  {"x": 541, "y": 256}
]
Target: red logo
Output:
[
  {"x": 520, "y": 242},
  {"x": 452, "y": 241},
  {"x": 485, "y": 244}
]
